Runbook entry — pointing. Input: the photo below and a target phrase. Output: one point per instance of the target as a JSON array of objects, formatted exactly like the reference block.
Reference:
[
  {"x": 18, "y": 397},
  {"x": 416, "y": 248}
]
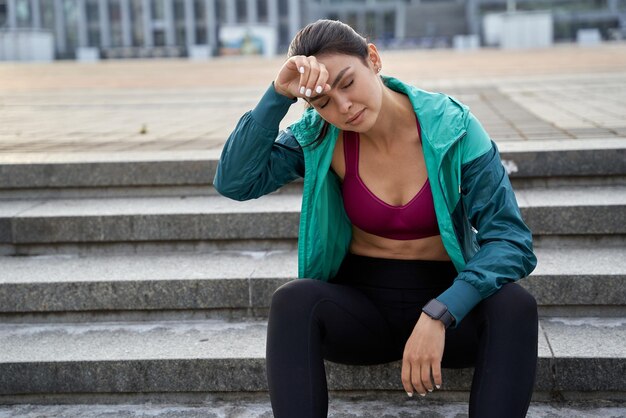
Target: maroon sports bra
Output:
[{"x": 366, "y": 211}]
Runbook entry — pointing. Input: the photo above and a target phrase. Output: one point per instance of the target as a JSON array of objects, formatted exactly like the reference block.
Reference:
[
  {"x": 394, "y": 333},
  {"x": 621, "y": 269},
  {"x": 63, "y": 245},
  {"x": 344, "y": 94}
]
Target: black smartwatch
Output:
[{"x": 437, "y": 310}]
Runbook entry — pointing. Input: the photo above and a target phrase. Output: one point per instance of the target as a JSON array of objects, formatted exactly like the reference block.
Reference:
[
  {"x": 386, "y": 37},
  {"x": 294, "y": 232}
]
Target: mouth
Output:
[{"x": 355, "y": 117}]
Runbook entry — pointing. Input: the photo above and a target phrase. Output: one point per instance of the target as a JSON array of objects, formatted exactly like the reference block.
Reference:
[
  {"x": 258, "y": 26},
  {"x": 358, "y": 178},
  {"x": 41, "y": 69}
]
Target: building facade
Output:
[
  {"x": 145, "y": 28},
  {"x": 608, "y": 16},
  {"x": 157, "y": 28}
]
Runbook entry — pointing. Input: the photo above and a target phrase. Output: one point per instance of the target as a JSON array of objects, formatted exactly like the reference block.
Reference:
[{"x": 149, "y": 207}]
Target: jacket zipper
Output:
[{"x": 458, "y": 170}]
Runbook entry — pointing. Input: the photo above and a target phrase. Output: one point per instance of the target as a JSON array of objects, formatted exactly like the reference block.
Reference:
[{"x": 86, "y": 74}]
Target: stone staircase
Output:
[{"x": 130, "y": 281}]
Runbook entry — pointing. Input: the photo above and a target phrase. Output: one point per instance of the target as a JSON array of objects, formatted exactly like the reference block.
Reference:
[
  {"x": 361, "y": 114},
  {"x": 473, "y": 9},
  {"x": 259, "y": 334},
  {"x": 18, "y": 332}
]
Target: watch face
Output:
[{"x": 435, "y": 309}]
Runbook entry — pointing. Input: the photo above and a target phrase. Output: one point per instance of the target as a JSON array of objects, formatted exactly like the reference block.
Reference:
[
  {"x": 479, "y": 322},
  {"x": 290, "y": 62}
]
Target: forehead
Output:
[{"x": 337, "y": 62}]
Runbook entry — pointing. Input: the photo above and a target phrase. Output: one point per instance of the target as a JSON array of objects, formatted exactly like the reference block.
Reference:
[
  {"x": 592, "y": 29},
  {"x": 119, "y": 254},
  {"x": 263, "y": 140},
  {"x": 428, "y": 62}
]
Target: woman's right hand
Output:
[{"x": 302, "y": 76}]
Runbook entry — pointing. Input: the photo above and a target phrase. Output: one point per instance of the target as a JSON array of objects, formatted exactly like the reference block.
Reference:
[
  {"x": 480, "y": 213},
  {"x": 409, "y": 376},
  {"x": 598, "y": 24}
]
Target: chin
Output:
[{"x": 364, "y": 126}]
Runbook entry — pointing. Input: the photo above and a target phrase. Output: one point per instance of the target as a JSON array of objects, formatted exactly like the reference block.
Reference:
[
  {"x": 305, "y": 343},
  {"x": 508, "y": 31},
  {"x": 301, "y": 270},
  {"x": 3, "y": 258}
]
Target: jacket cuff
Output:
[
  {"x": 460, "y": 298},
  {"x": 272, "y": 108}
]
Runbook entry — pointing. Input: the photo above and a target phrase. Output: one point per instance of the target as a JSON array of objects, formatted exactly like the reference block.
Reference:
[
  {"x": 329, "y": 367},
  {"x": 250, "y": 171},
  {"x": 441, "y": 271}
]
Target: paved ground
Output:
[
  {"x": 564, "y": 93},
  {"x": 261, "y": 409}
]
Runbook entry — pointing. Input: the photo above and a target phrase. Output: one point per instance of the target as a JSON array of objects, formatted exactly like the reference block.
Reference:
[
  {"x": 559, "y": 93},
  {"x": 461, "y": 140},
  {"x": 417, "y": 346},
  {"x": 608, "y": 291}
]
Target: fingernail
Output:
[
  {"x": 301, "y": 69},
  {"x": 438, "y": 386},
  {"x": 302, "y": 90},
  {"x": 410, "y": 394},
  {"x": 430, "y": 390},
  {"x": 422, "y": 394},
  {"x": 308, "y": 93},
  {"x": 318, "y": 89}
]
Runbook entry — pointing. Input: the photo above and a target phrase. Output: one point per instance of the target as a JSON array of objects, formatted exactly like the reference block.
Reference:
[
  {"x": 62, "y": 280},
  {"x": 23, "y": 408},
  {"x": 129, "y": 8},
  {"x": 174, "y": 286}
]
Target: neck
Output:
[{"x": 395, "y": 119}]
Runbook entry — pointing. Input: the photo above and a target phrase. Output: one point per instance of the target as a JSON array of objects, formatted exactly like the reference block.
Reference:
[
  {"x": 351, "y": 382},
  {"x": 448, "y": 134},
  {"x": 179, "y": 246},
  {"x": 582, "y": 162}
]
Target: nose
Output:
[{"x": 344, "y": 104}]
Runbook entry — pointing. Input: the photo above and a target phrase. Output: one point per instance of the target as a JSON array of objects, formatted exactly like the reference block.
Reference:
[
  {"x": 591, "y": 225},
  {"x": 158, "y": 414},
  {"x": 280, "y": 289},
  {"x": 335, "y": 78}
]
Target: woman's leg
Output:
[
  {"x": 499, "y": 337},
  {"x": 311, "y": 320}
]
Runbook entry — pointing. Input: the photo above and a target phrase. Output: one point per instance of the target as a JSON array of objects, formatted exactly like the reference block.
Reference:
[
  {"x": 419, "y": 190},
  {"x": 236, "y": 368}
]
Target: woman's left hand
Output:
[{"x": 423, "y": 352}]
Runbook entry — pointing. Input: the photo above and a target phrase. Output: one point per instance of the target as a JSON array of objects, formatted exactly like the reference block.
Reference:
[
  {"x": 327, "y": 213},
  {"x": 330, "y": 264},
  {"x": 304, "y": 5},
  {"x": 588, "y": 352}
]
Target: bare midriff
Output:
[
  {"x": 429, "y": 248},
  {"x": 370, "y": 245}
]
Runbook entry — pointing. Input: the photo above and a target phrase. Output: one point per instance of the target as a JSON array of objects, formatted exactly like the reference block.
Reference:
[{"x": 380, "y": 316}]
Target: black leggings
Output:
[{"x": 366, "y": 314}]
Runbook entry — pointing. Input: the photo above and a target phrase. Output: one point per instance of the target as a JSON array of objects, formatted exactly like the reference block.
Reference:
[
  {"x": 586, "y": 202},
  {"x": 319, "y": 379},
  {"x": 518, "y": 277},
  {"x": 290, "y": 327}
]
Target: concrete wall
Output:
[{"x": 26, "y": 45}]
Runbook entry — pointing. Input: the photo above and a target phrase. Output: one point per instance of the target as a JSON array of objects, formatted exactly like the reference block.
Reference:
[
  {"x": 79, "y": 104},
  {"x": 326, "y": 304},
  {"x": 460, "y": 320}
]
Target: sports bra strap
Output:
[{"x": 350, "y": 151}]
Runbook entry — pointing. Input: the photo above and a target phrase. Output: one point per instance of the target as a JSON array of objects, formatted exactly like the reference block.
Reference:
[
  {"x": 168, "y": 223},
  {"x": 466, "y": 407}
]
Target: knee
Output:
[
  {"x": 295, "y": 296},
  {"x": 515, "y": 301}
]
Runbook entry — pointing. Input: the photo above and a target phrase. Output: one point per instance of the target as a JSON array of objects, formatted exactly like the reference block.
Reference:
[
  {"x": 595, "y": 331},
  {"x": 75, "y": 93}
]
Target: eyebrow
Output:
[{"x": 332, "y": 86}]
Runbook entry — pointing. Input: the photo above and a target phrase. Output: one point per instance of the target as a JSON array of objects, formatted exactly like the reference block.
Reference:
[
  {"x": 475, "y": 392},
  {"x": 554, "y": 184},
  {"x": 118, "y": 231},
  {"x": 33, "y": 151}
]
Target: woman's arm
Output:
[
  {"x": 505, "y": 242},
  {"x": 505, "y": 255},
  {"x": 257, "y": 159}
]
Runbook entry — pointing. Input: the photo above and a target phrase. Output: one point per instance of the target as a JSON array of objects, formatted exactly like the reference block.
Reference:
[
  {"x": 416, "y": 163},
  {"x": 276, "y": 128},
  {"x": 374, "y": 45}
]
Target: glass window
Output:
[
  {"x": 23, "y": 14},
  {"x": 115, "y": 17},
  {"x": 241, "y": 10},
  {"x": 92, "y": 11},
  {"x": 47, "y": 15},
  {"x": 370, "y": 25},
  {"x": 179, "y": 22},
  {"x": 262, "y": 12},
  {"x": 159, "y": 37},
  {"x": 136, "y": 19},
  {"x": 220, "y": 11},
  {"x": 3, "y": 13},
  {"x": 283, "y": 36},
  {"x": 283, "y": 7},
  {"x": 201, "y": 36},
  {"x": 200, "y": 24},
  {"x": 93, "y": 24},
  {"x": 179, "y": 9},
  {"x": 389, "y": 25},
  {"x": 199, "y": 9},
  {"x": 70, "y": 11},
  {"x": 158, "y": 9},
  {"x": 352, "y": 20}
]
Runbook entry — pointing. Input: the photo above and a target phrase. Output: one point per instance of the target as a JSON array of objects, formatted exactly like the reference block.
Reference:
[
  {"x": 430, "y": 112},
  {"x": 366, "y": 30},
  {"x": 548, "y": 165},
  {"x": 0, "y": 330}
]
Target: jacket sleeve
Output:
[
  {"x": 505, "y": 252},
  {"x": 257, "y": 159}
]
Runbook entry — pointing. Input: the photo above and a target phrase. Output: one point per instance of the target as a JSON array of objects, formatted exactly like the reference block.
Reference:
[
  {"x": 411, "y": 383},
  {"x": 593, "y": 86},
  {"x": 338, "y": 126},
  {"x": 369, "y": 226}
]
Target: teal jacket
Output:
[{"x": 479, "y": 220}]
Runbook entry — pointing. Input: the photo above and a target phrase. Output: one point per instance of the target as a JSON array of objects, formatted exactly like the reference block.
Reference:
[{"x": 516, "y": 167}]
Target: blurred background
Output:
[{"x": 91, "y": 30}]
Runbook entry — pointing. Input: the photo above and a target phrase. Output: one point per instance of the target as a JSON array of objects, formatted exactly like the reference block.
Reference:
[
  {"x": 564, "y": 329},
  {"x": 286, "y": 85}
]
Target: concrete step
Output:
[
  {"x": 226, "y": 283},
  {"x": 596, "y": 211},
  {"x": 389, "y": 405},
  {"x": 566, "y": 282},
  {"x": 140, "y": 220},
  {"x": 83, "y": 175},
  {"x": 582, "y": 355}
]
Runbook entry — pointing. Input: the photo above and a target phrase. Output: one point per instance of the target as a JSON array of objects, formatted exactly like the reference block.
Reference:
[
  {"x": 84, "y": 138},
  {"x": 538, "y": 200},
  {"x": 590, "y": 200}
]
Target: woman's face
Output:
[{"x": 353, "y": 103}]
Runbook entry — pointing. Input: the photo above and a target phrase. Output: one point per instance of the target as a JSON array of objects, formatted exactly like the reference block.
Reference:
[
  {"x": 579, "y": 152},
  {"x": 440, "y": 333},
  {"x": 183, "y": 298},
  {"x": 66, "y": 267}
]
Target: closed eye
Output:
[{"x": 344, "y": 87}]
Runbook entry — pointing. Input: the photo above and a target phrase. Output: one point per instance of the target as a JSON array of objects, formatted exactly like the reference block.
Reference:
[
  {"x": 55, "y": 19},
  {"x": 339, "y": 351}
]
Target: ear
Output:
[{"x": 374, "y": 56}]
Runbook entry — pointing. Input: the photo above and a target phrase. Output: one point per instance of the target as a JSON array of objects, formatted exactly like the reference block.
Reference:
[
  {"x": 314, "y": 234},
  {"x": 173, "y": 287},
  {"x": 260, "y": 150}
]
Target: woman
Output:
[{"x": 410, "y": 235}]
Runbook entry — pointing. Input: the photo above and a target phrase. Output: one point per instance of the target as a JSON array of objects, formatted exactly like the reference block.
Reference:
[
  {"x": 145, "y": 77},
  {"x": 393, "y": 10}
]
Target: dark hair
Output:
[{"x": 328, "y": 37}]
